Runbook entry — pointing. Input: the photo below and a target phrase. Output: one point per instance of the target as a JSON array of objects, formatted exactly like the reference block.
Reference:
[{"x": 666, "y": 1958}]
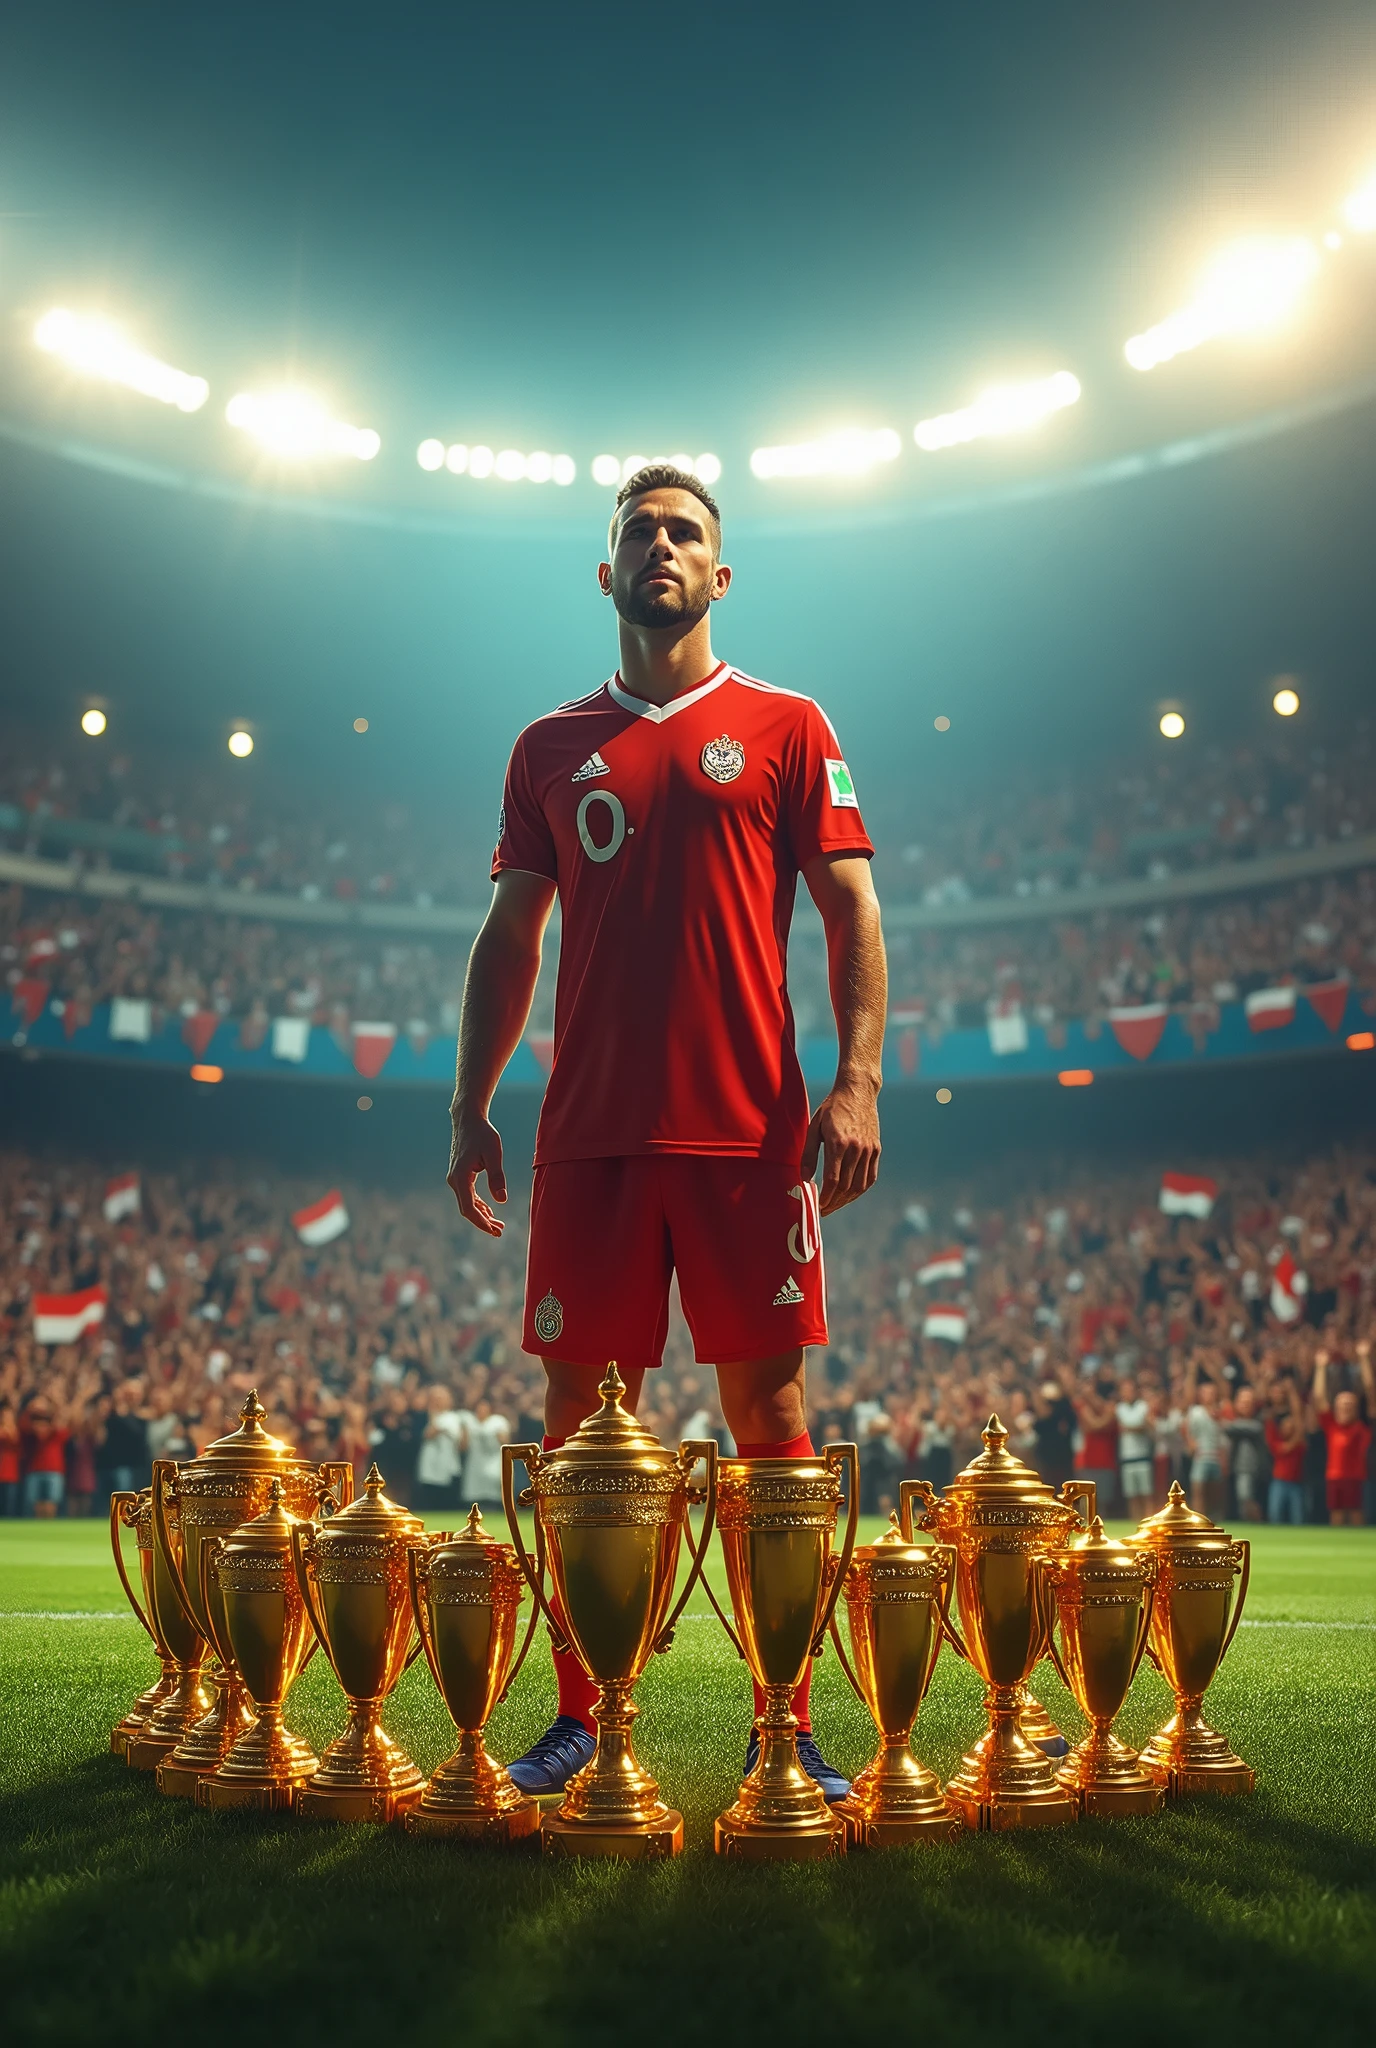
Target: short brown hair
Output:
[{"x": 662, "y": 476}]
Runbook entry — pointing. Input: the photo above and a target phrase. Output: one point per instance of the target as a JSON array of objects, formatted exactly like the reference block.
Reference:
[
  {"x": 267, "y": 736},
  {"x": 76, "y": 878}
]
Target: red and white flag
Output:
[
  {"x": 947, "y": 1325},
  {"x": 1329, "y": 998},
  {"x": 947, "y": 1265},
  {"x": 323, "y": 1221},
  {"x": 1138, "y": 1027},
  {"x": 1288, "y": 1289},
  {"x": 1187, "y": 1194},
  {"x": 61, "y": 1318},
  {"x": 1270, "y": 1009},
  {"x": 372, "y": 1045},
  {"x": 123, "y": 1197}
]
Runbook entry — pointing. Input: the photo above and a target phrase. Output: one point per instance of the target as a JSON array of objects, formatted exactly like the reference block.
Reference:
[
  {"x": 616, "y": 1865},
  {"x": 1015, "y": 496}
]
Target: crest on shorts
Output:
[
  {"x": 723, "y": 759},
  {"x": 549, "y": 1319}
]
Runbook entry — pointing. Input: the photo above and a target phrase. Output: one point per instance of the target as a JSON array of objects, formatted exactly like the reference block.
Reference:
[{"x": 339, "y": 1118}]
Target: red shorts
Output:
[
  {"x": 607, "y": 1235},
  {"x": 1345, "y": 1496}
]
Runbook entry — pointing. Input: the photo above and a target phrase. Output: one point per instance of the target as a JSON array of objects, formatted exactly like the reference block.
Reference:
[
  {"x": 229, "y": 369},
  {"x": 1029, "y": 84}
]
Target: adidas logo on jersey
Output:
[
  {"x": 594, "y": 765},
  {"x": 789, "y": 1295}
]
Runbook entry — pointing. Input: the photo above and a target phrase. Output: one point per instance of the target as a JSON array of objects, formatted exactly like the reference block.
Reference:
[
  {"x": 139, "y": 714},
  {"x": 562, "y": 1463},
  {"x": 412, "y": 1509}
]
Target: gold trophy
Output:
[
  {"x": 268, "y": 1639},
  {"x": 135, "y": 1511},
  {"x": 465, "y": 1591},
  {"x": 181, "y": 1649},
  {"x": 228, "y": 1484},
  {"x": 777, "y": 1518},
  {"x": 898, "y": 1595},
  {"x": 1002, "y": 1520},
  {"x": 1197, "y": 1565},
  {"x": 353, "y": 1577},
  {"x": 1103, "y": 1592},
  {"x": 610, "y": 1509}
]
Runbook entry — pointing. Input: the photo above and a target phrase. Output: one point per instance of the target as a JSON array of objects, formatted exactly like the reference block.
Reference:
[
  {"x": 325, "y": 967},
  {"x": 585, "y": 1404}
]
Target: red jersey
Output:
[
  {"x": 675, "y": 834},
  {"x": 1287, "y": 1460},
  {"x": 1348, "y": 1444}
]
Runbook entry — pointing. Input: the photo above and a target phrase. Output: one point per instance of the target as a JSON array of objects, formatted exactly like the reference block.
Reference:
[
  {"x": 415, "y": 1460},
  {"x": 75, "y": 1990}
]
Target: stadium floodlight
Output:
[
  {"x": 1172, "y": 725},
  {"x": 606, "y": 470},
  {"x": 297, "y": 426},
  {"x": 240, "y": 744},
  {"x": 430, "y": 455},
  {"x": 1359, "y": 208},
  {"x": 97, "y": 348},
  {"x": 93, "y": 722},
  {"x": 1286, "y": 701},
  {"x": 849, "y": 452},
  {"x": 707, "y": 469},
  {"x": 481, "y": 461},
  {"x": 563, "y": 470},
  {"x": 456, "y": 458},
  {"x": 508, "y": 465},
  {"x": 1003, "y": 409},
  {"x": 609, "y": 470},
  {"x": 1250, "y": 287}
]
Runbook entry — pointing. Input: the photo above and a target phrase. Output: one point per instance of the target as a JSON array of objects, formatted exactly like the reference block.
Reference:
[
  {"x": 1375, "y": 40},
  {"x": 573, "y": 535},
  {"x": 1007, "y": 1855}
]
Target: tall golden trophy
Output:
[
  {"x": 180, "y": 1647},
  {"x": 268, "y": 1639},
  {"x": 611, "y": 1507},
  {"x": 228, "y": 1484},
  {"x": 353, "y": 1576},
  {"x": 1194, "y": 1619},
  {"x": 777, "y": 1518},
  {"x": 465, "y": 1593},
  {"x": 135, "y": 1511},
  {"x": 1002, "y": 1521},
  {"x": 1103, "y": 1592},
  {"x": 898, "y": 1595}
]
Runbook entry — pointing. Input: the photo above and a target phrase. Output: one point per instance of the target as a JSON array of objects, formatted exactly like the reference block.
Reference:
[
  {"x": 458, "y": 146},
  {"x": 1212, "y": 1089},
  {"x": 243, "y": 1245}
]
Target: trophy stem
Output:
[
  {"x": 364, "y": 1775},
  {"x": 1006, "y": 1781},
  {"x": 780, "y": 1811},
  {"x": 612, "y": 1806},
  {"x": 143, "y": 1708},
  {"x": 264, "y": 1769},
  {"x": 207, "y": 1742},
  {"x": 169, "y": 1721},
  {"x": 1106, "y": 1778},
  {"x": 1187, "y": 1755},
  {"x": 472, "y": 1796},
  {"x": 896, "y": 1800}
]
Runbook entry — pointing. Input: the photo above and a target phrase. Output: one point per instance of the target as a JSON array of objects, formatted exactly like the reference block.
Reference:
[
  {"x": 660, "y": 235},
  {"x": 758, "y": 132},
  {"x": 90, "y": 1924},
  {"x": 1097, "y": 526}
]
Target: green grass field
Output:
[{"x": 124, "y": 1915}]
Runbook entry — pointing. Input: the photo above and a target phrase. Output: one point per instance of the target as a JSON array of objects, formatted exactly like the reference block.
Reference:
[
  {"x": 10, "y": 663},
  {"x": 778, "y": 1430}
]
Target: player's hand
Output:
[
  {"x": 476, "y": 1149},
  {"x": 845, "y": 1130}
]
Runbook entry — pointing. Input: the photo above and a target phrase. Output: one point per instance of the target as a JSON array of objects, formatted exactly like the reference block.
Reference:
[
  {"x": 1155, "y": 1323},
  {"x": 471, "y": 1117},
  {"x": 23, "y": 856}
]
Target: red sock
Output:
[
  {"x": 577, "y": 1693},
  {"x": 796, "y": 1447}
]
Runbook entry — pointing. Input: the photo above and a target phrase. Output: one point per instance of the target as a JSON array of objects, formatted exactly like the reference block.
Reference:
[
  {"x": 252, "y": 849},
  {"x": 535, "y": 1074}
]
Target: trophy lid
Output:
[
  {"x": 372, "y": 1514},
  {"x": 1092, "y": 1548},
  {"x": 893, "y": 1548},
  {"x": 269, "y": 1532},
  {"x": 471, "y": 1548},
  {"x": 610, "y": 1435},
  {"x": 250, "y": 1445},
  {"x": 996, "y": 1475},
  {"x": 1178, "y": 1526}
]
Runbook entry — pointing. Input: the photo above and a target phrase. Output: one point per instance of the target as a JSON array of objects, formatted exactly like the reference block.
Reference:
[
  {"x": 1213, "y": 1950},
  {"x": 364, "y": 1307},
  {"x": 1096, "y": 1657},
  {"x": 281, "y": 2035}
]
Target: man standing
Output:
[{"x": 672, "y": 811}]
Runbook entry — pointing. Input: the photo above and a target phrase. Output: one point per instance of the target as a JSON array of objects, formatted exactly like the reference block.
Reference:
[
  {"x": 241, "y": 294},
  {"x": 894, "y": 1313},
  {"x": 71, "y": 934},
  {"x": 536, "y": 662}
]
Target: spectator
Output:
[
  {"x": 1245, "y": 1431},
  {"x": 1285, "y": 1501},
  {"x": 484, "y": 1433},
  {"x": 1205, "y": 1441},
  {"x": 1133, "y": 1414},
  {"x": 1097, "y": 1458},
  {"x": 438, "y": 1463},
  {"x": 1348, "y": 1436},
  {"x": 9, "y": 1461},
  {"x": 44, "y": 1459}
]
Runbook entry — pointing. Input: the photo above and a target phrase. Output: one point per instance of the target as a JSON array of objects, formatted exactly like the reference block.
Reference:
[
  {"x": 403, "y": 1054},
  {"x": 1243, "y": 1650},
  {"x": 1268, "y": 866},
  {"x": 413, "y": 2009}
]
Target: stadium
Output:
[{"x": 969, "y": 421}]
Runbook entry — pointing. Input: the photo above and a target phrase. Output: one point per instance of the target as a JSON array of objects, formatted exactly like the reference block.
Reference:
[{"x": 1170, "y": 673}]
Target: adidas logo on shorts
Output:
[
  {"x": 789, "y": 1295},
  {"x": 594, "y": 765}
]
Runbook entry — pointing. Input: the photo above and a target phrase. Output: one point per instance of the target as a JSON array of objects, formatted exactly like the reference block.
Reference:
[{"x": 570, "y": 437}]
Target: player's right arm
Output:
[{"x": 497, "y": 994}]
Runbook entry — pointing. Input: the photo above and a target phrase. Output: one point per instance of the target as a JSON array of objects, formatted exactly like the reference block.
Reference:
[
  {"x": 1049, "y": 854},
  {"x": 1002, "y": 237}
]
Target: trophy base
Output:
[
  {"x": 632, "y": 1841},
  {"x": 1006, "y": 1781},
  {"x": 222, "y": 1795},
  {"x": 518, "y": 1824},
  {"x": 1189, "y": 1756},
  {"x": 1039, "y": 1728},
  {"x": 206, "y": 1744},
  {"x": 363, "y": 1776},
  {"x": 186, "y": 1703},
  {"x": 378, "y": 1804},
  {"x": 754, "y": 1842},
  {"x": 900, "y": 1831},
  {"x": 1000, "y": 1811},
  {"x": 896, "y": 1801},
  {"x": 1106, "y": 1779},
  {"x": 144, "y": 1751},
  {"x": 179, "y": 1780}
]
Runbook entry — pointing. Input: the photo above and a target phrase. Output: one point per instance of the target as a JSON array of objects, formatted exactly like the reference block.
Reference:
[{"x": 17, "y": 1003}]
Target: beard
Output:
[{"x": 680, "y": 606}]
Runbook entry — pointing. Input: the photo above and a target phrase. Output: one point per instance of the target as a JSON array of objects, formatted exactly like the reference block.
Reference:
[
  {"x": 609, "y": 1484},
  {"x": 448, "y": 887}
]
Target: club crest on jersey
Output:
[
  {"x": 594, "y": 765},
  {"x": 723, "y": 759},
  {"x": 549, "y": 1318}
]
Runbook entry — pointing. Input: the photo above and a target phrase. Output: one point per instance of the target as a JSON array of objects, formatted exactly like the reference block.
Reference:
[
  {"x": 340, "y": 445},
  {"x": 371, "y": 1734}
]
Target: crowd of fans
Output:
[{"x": 1114, "y": 1342}]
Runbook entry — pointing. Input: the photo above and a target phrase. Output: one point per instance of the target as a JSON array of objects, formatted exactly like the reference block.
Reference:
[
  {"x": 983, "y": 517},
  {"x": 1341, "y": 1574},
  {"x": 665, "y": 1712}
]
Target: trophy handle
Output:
[
  {"x": 301, "y": 1559},
  {"x": 423, "y": 1543},
  {"x": 1246, "y": 1548},
  {"x": 530, "y": 1456},
  {"x": 531, "y": 1625},
  {"x": 706, "y": 1449},
  {"x": 120, "y": 1504},
  {"x": 1144, "y": 1625},
  {"x": 832, "y": 1456},
  {"x": 207, "y": 1564},
  {"x": 164, "y": 1475},
  {"x": 1074, "y": 1491},
  {"x": 845, "y": 1660},
  {"x": 910, "y": 1490},
  {"x": 418, "y": 1582},
  {"x": 1046, "y": 1613},
  {"x": 337, "y": 1477}
]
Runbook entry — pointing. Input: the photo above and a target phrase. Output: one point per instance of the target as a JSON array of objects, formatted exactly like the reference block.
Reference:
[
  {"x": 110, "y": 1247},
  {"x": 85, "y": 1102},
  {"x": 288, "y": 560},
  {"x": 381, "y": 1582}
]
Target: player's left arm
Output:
[{"x": 845, "y": 1127}]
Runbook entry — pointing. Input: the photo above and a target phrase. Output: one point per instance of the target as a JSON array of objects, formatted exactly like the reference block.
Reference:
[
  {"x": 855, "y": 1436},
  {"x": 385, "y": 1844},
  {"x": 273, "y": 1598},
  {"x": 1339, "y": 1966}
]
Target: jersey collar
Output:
[{"x": 657, "y": 713}]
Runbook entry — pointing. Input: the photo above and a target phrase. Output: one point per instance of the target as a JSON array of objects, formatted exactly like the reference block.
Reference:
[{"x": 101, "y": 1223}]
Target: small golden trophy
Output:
[
  {"x": 268, "y": 1639},
  {"x": 465, "y": 1592},
  {"x": 777, "y": 1518},
  {"x": 1102, "y": 1591},
  {"x": 1197, "y": 1565},
  {"x": 135, "y": 1511},
  {"x": 611, "y": 1507},
  {"x": 898, "y": 1595},
  {"x": 1002, "y": 1520},
  {"x": 213, "y": 1494},
  {"x": 186, "y": 1700},
  {"x": 353, "y": 1575}
]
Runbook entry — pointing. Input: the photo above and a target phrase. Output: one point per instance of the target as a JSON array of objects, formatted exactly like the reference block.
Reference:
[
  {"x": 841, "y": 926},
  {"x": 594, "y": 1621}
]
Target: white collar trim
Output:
[{"x": 657, "y": 713}]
